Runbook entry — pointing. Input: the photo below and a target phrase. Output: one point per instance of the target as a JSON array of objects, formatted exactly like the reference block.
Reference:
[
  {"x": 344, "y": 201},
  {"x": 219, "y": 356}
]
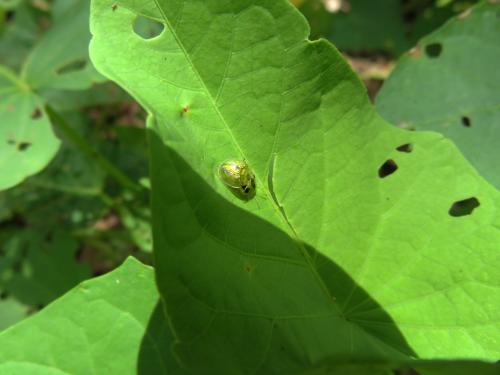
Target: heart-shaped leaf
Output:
[{"x": 362, "y": 241}]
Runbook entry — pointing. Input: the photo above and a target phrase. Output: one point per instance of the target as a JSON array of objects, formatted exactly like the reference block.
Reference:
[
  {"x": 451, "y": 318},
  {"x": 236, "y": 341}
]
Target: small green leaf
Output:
[
  {"x": 27, "y": 142},
  {"x": 449, "y": 84}
]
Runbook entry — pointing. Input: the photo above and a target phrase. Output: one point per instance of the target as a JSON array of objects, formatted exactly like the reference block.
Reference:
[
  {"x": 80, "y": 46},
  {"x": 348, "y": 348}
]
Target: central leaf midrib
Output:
[{"x": 292, "y": 232}]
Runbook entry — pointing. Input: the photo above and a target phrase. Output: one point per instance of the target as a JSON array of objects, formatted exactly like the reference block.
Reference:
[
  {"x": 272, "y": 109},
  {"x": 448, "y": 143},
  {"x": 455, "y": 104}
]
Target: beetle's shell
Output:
[{"x": 237, "y": 176}]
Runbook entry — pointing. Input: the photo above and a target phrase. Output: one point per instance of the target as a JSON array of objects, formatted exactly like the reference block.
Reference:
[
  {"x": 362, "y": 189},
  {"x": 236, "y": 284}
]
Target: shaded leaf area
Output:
[
  {"x": 36, "y": 268},
  {"x": 85, "y": 330},
  {"x": 121, "y": 310},
  {"x": 449, "y": 84},
  {"x": 329, "y": 258},
  {"x": 391, "y": 26},
  {"x": 408, "y": 368}
]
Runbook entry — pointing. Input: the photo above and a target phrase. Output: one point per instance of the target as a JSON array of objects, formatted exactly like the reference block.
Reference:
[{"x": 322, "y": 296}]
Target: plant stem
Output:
[{"x": 88, "y": 150}]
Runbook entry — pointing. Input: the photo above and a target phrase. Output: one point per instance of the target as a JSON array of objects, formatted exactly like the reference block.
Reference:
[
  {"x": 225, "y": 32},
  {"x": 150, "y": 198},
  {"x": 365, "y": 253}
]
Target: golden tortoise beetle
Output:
[{"x": 238, "y": 177}]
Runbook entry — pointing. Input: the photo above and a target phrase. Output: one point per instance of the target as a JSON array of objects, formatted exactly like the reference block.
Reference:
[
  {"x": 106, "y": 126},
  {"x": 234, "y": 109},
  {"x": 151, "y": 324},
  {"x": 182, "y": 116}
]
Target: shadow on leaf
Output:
[{"x": 243, "y": 296}]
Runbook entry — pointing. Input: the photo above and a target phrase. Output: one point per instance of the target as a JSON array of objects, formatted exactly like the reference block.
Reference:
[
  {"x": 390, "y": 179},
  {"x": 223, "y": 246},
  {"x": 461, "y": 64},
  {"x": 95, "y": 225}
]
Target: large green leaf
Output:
[
  {"x": 338, "y": 254},
  {"x": 450, "y": 84},
  {"x": 108, "y": 325},
  {"x": 27, "y": 142}
]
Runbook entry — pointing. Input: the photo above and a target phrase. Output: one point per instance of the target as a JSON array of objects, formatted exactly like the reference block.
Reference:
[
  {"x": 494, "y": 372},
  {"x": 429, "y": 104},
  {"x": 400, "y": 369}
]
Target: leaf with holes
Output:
[
  {"x": 449, "y": 84},
  {"x": 27, "y": 142},
  {"x": 84, "y": 331},
  {"x": 60, "y": 60},
  {"x": 347, "y": 249}
]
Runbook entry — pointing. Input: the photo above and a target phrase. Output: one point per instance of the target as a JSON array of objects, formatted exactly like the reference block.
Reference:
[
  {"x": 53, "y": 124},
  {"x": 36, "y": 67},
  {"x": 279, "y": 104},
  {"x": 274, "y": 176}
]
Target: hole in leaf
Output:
[
  {"x": 388, "y": 168},
  {"x": 147, "y": 28},
  {"x": 466, "y": 121},
  {"x": 22, "y": 146},
  {"x": 4, "y": 295},
  {"x": 72, "y": 66},
  {"x": 36, "y": 114},
  {"x": 408, "y": 147},
  {"x": 433, "y": 50},
  {"x": 464, "y": 207}
]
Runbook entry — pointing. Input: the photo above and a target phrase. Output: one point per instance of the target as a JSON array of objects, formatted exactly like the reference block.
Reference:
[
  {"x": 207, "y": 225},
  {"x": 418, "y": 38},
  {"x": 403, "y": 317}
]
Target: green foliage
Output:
[
  {"x": 390, "y": 26},
  {"x": 37, "y": 270},
  {"x": 27, "y": 142},
  {"x": 350, "y": 248},
  {"x": 124, "y": 305},
  {"x": 98, "y": 327},
  {"x": 449, "y": 84},
  {"x": 18, "y": 36},
  {"x": 295, "y": 231},
  {"x": 59, "y": 61},
  {"x": 79, "y": 191}
]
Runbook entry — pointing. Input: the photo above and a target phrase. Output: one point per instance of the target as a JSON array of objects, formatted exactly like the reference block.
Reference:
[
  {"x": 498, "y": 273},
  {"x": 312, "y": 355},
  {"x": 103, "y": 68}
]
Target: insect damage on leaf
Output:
[{"x": 238, "y": 177}]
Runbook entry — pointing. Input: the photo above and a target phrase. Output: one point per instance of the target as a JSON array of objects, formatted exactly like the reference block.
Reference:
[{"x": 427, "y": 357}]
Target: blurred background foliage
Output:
[
  {"x": 388, "y": 27},
  {"x": 88, "y": 208}
]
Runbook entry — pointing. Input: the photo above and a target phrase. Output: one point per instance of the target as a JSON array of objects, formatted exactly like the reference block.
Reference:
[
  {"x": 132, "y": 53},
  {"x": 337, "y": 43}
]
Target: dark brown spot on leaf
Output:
[{"x": 36, "y": 114}]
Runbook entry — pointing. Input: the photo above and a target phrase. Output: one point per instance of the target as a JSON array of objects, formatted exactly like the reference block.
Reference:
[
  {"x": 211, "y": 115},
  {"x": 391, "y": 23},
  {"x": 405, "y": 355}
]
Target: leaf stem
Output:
[{"x": 108, "y": 167}]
